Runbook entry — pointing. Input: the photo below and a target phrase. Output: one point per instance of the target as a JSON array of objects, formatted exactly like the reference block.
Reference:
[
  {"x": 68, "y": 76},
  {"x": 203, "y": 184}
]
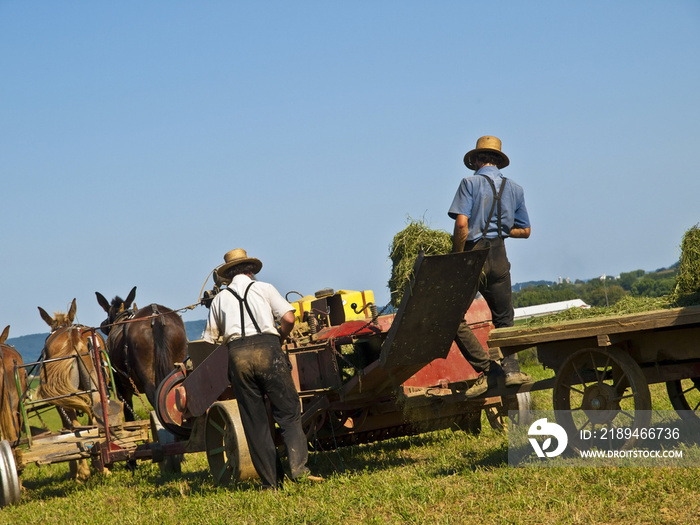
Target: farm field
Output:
[{"x": 438, "y": 477}]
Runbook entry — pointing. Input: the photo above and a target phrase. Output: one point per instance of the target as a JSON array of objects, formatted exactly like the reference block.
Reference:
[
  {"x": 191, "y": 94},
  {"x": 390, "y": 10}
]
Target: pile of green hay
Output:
[
  {"x": 687, "y": 290},
  {"x": 406, "y": 246}
]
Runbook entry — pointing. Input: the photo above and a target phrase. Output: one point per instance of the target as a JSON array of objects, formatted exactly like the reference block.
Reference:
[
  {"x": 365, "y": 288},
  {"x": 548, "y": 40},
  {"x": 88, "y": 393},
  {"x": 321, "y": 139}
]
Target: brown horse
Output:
[
  {"x": 75, "y": 378},
  {"x": 10, "y": 421},
  {"x": 143, "y": 344}
]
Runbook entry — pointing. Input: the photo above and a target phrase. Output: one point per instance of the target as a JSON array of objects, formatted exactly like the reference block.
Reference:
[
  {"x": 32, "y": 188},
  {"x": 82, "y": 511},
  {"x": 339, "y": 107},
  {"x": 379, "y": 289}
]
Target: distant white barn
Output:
[{"x": 549, "y": 308}]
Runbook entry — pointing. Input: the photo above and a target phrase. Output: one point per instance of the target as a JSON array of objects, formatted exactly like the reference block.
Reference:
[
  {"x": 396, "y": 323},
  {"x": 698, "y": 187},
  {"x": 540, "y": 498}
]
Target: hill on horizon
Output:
[{"x": 30, "y": 346}]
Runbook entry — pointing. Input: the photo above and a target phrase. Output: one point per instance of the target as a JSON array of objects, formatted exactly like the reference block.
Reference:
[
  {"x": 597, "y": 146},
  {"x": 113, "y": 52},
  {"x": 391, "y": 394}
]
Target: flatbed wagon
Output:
[{"x": 604, "y": 365}]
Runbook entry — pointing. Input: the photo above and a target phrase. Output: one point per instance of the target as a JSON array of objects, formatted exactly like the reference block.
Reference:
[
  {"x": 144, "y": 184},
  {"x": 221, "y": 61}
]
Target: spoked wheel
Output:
[
  {"x": 166, "y": 408},
  {"x": 599, "y": 390},
  {"x": 685, "y": 398},
  {"x": 226, "y": 445},
  {"x": 9, "y": 481}
]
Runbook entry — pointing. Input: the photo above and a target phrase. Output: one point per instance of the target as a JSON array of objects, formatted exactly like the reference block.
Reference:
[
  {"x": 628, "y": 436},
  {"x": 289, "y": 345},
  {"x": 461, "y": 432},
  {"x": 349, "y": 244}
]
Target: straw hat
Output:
[
  {"x": 234, "y": 258},
  {"x": 487, "y": 144}
]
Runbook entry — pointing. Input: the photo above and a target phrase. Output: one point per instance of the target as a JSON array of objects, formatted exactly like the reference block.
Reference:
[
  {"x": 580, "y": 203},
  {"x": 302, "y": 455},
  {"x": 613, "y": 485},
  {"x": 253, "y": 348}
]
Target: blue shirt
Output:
[{"x": 474, "y": 198}]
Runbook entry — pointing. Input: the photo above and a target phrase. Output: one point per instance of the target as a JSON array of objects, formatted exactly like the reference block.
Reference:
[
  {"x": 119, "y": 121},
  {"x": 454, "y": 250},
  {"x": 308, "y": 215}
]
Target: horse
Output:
[
  {"x": 67, "y": 377},
  {"x": 143, "y": 345},
  {"x": 10, "y": 421}
]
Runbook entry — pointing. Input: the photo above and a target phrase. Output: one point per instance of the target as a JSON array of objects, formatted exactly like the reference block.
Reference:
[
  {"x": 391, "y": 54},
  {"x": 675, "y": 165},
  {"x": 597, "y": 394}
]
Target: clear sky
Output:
[{"x": 140, "y": 141}]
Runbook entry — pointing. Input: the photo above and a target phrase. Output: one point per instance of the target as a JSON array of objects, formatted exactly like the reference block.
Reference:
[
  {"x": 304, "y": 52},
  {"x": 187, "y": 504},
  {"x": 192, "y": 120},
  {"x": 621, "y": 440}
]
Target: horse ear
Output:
[
  {"x": 130, "y": 298},
  {"x": 104, "y": 303},
  {"x": 71, "y": 312},
  {"x": 46, "y": 317},
  {"x": 5, "y": 333}
]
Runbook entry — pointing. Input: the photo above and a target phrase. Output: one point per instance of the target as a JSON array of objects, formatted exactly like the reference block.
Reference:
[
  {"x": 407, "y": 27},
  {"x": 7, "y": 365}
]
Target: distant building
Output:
[{"x": 549, "y": 308}]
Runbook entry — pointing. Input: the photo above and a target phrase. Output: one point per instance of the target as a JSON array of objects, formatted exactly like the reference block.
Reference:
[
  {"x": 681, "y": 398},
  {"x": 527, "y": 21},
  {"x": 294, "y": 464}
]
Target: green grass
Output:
[{"x": 438, "y": 477}]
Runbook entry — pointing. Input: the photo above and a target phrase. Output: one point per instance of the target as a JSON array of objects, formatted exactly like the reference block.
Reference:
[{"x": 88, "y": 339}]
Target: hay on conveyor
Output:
[{"x": 406, "y": 246}]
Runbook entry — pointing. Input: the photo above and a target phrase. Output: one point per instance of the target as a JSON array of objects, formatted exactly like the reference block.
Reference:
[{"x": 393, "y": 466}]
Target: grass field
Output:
[{"x": 438, "y": 477}]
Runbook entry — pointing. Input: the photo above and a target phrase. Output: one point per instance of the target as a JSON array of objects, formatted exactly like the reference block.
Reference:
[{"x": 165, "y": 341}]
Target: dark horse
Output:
[
  {"x": 143, "y": 345},
  {"x": 10, "y": 421}
]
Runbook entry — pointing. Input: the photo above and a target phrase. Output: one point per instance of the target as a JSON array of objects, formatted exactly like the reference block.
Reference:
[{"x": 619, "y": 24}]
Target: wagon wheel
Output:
[
  {"x": 165, "y": 407},
  {"x": 314, "y": 425},
  {"x": 519, "y": 406},
  {"x": 226, "y": 445},
  {"x": 685, "y": 398},
  {"x": 598, "y": 389},
  {"x": 9, "y": 481}
]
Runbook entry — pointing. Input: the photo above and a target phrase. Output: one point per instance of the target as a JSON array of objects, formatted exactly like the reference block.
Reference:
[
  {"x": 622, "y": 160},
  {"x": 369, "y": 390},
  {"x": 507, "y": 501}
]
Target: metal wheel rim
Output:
[
  {"x": 9, "y": 481},
  {"x": 181, "y": 428},
  {"x": 590, "y": 392},
  {"x": 518, "y": 405},
  {"x": 226, "y": 445}
]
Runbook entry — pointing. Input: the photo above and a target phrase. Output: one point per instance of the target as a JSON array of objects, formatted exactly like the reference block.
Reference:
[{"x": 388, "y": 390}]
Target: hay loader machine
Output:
[{"x": 361, "y": 376}]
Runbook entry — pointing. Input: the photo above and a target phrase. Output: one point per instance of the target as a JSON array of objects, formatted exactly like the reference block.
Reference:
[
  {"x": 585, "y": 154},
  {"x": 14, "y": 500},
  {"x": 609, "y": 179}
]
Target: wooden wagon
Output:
[{"x": 604, "y": 365}]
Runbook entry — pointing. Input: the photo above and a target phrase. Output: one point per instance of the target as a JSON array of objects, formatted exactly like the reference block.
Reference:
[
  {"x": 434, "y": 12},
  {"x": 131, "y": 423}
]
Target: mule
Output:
[
  {"x": 10, "y": 420},
  {"x": 143, "y": 345},
  {"x": 67, "y": 377}
]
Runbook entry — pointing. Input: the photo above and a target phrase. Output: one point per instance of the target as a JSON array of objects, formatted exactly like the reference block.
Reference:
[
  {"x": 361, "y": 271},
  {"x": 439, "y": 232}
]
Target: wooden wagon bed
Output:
[{"x": 658, "y": 335}]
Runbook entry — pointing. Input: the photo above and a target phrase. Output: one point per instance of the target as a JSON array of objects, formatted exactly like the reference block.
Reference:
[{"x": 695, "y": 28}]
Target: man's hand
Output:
[{"x": 286, "y": 325}]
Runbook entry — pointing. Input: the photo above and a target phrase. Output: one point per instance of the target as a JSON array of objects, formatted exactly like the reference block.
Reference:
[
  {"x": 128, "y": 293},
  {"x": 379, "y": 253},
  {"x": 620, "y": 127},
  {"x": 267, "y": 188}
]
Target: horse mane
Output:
[{"x": 56, "y": 377}]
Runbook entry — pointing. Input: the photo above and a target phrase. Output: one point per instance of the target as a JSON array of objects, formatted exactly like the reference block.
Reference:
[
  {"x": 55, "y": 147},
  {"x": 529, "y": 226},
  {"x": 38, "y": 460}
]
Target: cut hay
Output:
[
  {"x": 687, "y": 289},
  {"x": 406, "y": 246}
]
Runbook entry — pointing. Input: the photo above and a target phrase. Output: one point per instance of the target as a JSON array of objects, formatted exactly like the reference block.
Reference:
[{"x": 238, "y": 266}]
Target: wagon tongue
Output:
[{"x": 431, "y": 309}]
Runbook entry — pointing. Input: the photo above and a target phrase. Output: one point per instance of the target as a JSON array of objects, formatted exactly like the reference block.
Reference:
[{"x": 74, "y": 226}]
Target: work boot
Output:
[
  {"x": 308, "y": 477},
  {"x": 478, "y": 388},
  {"x": 517, "y": 378}
]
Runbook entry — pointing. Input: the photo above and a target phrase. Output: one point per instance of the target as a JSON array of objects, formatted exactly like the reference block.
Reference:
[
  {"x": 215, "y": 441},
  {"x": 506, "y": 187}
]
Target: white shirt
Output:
[{"x": 266, "y": 303}]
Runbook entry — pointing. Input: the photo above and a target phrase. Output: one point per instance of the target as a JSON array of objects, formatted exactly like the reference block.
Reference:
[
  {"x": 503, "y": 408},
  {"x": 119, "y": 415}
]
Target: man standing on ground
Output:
[
  {"x": 244, "y": 316},
  {"x": 487, "y": 208}
]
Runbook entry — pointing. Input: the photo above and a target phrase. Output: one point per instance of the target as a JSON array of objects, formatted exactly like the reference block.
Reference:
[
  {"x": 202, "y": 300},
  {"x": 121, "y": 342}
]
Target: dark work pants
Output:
[
  {"x": 257, "y": 366},
  {"x": 495, "y": 287}
]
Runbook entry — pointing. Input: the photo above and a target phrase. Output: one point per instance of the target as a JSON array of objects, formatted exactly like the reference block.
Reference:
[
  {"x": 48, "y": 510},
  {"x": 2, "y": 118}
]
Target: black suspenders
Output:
[
  {"x": 244, "y": 301},
  {"x": 496, "y": 199}
]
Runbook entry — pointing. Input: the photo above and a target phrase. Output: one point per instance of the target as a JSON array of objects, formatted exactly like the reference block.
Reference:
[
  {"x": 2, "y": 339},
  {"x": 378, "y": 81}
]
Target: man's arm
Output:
[
  {"x": 286, "y": 324},
  {"x": 460, "y": 234},
  {"x": 520, "y": 233}
]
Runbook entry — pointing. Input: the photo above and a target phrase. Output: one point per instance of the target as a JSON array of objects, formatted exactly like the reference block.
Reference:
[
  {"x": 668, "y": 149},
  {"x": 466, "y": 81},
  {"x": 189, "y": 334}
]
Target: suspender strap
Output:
[
  {"x": 496, "y": 202},
  {"x": 244, "y": 301}
]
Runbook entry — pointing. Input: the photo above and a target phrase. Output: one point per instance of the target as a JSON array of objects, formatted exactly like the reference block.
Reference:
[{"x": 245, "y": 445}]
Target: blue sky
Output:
[{"x": 140, "y": 141}]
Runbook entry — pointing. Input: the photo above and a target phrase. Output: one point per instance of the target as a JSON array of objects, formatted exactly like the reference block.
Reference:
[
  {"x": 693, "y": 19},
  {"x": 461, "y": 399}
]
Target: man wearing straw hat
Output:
[
  {"x": 487, "y": 209},
  {"x": 244, "y": 315}
]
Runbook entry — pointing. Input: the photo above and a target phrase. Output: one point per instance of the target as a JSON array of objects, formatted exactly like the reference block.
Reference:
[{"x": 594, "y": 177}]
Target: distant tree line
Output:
[{"x": 604, "y": 291}]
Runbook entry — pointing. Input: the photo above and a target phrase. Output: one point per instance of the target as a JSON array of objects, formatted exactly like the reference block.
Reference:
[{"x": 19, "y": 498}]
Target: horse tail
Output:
[
  {"x": 161, "y": 349},
  {"x": 9, "y": 418},
  {"x": 5, "y": 409}
]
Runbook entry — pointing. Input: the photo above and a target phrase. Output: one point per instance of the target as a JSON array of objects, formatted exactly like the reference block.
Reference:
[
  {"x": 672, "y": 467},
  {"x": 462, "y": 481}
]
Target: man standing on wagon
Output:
[
  {"x": 244, "y": 315},
  {"x": 487, "y": 209}
]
